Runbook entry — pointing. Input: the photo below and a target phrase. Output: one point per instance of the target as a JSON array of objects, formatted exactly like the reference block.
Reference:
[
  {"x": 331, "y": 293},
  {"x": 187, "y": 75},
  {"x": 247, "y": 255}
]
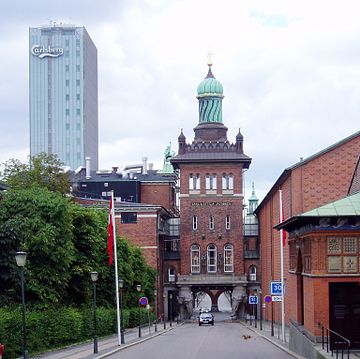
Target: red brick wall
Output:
[
  {"x": 234, "y": 236},
  {"x": 161, "y": 194},
  {"x": 142, "y": 234}
]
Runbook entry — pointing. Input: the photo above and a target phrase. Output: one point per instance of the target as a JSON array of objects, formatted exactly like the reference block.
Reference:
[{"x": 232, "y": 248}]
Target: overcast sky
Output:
[{"x": 290, "y": 72}]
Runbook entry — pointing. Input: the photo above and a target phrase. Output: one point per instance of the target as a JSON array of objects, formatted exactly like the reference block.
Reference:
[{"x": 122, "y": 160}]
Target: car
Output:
[
  {"x": 206, "y": 318},
  {"x": 204, "y": 310}
]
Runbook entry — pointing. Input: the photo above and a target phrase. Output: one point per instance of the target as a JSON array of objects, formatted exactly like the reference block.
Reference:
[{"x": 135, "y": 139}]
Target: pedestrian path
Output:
[{"x": 108, "y": 345}]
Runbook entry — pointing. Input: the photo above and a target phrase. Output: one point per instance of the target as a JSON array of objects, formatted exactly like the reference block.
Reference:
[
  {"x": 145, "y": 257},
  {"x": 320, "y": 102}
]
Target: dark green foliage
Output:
[{"x": 54, "y": 328}]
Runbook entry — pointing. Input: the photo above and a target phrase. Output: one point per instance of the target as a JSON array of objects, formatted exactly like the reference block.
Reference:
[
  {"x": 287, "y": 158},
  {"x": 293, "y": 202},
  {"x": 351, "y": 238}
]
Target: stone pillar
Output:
[
  {"x": 238, "y": 296},
  {"x": 185, "y": 299}
]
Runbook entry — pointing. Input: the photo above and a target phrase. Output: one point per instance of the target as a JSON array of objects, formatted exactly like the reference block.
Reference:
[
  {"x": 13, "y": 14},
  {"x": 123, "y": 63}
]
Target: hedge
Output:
[{"x": 51, "y": 329}]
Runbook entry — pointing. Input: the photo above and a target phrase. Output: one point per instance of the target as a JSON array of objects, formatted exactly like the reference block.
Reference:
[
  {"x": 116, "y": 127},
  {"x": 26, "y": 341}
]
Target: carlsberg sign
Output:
[{"x": 46, "y": 51}]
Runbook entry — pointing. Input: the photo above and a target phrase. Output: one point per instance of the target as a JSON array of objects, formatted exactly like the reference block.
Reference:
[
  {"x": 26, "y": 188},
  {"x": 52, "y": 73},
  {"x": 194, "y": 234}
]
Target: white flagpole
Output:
[
  {"x": 116, "y": 270},
  {"x": 282, "y": 271}
]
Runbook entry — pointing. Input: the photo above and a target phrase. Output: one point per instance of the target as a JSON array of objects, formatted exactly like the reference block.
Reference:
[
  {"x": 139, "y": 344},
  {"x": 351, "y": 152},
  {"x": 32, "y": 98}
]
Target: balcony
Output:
[
  {"x": 251, "y": 254},
  {"x": 171, "y": 249}
]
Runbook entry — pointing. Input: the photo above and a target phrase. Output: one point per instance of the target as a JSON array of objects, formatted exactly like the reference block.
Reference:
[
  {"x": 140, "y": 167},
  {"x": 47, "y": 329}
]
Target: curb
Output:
[
  {"x": 125, "y": 346},
  {"x": 275, "y": 343}
]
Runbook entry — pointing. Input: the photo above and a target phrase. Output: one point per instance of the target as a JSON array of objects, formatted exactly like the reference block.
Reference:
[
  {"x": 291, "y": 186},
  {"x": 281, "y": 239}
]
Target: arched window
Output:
[
  {"x": 252, "y": 273},
  {"x": 195, "y": 259},
  {"x": 211, "y": 223},
  {"x": 228, "y": 258},
  {"x": 211, "y": 258},
  {"x": 195, "y": 223},
  {"x": 171, "y": 274}
]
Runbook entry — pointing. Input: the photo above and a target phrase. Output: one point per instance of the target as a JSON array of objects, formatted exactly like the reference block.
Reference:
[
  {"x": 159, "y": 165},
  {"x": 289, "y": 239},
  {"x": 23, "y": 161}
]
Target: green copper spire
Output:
[
  {"x": 210, "y": 95},
  {"x": 253, "y": 201}
]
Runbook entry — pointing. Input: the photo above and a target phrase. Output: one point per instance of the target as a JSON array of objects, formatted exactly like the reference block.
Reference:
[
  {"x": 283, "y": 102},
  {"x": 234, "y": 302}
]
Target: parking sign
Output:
[
  {"x": 276, "y": 288},
  {"x": 253, "y": 299}
]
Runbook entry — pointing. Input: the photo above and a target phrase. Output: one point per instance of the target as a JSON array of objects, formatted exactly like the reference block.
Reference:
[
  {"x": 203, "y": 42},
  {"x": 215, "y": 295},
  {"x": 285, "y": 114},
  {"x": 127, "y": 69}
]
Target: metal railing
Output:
[{"x": 339, "y": 344}]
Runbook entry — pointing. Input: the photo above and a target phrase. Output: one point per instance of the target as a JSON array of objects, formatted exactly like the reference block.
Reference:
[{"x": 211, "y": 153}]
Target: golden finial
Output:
[{"x": 209, "y": 55}]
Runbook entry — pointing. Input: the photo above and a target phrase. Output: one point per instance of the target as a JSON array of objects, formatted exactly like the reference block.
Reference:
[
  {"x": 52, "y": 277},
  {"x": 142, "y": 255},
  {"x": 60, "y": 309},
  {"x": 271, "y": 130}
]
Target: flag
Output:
[{"x": 110, "y": 244}]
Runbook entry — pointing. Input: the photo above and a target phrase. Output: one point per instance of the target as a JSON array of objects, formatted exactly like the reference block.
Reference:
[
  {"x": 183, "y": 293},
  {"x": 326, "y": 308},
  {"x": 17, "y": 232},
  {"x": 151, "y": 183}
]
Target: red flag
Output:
[{"x": 110, "y": 244}]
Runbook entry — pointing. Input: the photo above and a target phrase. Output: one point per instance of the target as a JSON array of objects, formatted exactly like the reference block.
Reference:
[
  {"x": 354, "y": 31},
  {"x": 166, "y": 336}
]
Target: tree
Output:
[{"x": 42, "y": 170}]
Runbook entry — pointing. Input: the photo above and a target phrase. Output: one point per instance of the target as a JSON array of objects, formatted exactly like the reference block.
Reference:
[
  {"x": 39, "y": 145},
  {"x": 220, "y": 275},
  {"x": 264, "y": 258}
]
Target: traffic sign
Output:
[
  {"x": 276, "y": 298},
  {"x": 275, "y": 288},
  {"x": 253, "y": 299},
  {"x": 143, "y": 301},
  {"x": 267, "y": 298}
]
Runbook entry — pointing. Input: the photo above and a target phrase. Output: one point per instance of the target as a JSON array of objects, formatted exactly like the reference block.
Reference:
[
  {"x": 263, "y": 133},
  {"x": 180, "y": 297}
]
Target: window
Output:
[
  {"x": 171, "y": 274},
  {"x": 67, "y": 67},
  {"x": 194, "y": 182},
  {"x": 78, "y": 68},
  {"x": 106, "y": 184},
  {"x": 195, "y": 259},
  {"x": 228, "y": 182},
  {"x": 211, "y": 258},
  {"x": 210, "y": 182},
  {"x": 195, "y": 223},
  {"x": 78, "y": 111},
  {"x": 78, "y": 97},
  {"x": 67, "y": 97},
  {"x": 211, "y": 223},
  {"x": 128, "y": 217},
  {"x": 252, "y": 273},
  {"x": 228, "y": 258},
  {"x": 67, "y": 82},
  {"x": 67, "y": 112},
  {"x": 227, "y": 223},
  {"x": 77, "y": 82}
]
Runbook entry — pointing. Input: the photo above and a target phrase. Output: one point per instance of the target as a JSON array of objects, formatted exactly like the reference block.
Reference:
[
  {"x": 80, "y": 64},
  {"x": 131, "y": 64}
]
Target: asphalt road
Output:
[{"x": 224, "y": 340}]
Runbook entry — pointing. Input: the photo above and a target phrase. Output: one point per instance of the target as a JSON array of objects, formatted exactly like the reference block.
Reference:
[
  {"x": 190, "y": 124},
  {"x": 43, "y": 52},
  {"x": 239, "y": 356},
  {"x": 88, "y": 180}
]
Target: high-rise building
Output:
[{"x": 63, "y": 94}]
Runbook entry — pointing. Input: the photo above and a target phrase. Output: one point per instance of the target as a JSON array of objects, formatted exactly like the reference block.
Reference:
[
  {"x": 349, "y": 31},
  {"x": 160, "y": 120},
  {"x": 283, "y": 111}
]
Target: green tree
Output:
[{"x": 41, "y": 170}]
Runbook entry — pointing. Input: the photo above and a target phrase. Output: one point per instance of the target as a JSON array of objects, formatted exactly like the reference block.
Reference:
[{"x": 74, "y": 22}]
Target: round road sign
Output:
[
  {"x": 267, "y": 298},
  {"x": 143, "y": 301}
]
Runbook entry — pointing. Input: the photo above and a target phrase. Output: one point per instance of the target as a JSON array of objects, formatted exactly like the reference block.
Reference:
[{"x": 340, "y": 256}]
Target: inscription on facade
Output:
[{"x": 210, "y": 204}]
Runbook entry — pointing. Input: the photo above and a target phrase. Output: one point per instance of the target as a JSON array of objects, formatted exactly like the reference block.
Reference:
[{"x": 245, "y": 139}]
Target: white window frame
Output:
[
  {"x": 227, "y": 222},
  {"x": 195, "y": 262},
  {"x": 228, "y": 182},
  {"x": 210, "y": 182},
  {"x": 252, "y": 273},
  {"x": 194, "y": 182},
  {"x": 228, "y": 260},
  {"x": 211, "y": 223},
  {"x": 195, "y": 223},
  {"x": 211, "y": 259}
]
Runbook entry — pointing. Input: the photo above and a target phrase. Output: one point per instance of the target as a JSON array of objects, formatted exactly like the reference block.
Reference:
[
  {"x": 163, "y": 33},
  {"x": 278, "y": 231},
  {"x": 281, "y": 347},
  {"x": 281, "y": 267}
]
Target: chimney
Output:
[
  {"x": 115, "y": 169},
  {"x": 144, "y": 167},
  {"x": 87, "y": 167}
]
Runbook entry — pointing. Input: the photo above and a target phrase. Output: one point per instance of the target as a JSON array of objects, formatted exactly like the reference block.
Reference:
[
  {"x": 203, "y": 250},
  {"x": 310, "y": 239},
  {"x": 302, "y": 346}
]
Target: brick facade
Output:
[{"x": 320, "y": 179}]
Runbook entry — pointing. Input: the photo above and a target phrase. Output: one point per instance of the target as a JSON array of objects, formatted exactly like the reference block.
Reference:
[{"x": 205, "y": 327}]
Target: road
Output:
[{"x": 224, "y": 340}]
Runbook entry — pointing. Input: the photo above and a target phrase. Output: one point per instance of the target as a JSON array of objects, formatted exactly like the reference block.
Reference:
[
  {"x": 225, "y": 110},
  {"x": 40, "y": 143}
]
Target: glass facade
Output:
[{"x": 63, "y": 94}]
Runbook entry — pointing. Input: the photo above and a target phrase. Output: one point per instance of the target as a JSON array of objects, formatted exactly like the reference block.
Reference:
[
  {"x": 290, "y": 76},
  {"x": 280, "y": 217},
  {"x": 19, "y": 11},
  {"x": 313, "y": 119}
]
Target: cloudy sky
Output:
[{"x": 290, "y": 71}]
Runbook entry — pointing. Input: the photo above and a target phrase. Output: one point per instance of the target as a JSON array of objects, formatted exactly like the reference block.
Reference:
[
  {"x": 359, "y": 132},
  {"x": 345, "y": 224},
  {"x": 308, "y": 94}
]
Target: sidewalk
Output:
[
  {"x": 276, "y": 340},
  {"x": 108, "y": 345}
]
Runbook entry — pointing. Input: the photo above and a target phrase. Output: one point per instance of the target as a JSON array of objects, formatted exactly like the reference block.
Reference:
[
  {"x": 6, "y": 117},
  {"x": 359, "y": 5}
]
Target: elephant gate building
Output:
[{"x": 212, "y": 256}]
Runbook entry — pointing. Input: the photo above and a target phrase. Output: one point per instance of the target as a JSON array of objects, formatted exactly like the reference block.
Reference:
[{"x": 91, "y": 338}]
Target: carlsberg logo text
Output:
[{"x": 48, "y": 51}]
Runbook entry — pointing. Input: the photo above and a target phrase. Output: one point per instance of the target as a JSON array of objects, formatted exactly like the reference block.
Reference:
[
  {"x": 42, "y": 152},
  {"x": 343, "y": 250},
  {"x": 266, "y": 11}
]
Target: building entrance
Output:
[{"x": 345, "y": 312}]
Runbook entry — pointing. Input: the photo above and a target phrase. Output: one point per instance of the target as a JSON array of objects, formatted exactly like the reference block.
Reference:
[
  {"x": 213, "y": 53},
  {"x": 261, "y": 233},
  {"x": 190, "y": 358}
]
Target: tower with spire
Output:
[{"x": 211, "y": 202}]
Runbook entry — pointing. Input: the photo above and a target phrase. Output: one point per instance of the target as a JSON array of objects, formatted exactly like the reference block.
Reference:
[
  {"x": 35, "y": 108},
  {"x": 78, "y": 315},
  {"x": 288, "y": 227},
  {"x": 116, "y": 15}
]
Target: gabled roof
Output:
[
  {"x": 287, "y": 172},
  {"x": 355, "y": 181}
]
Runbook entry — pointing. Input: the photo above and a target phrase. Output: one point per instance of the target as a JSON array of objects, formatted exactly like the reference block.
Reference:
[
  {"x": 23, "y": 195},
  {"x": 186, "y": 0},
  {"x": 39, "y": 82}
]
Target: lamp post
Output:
[
  {"x": 121, "y": 286},
  {"x": 164, "y": 297},
  {"x": 170, "y": 314},
  {"x": 256, "y": 308},
  {"x": 20, "y": 258},
  {"x": 138, "y": 288},
  {"x": 261, "y": 306},
  {"x": 94, "y": 277},
  {"x": 156, "y": 309}
]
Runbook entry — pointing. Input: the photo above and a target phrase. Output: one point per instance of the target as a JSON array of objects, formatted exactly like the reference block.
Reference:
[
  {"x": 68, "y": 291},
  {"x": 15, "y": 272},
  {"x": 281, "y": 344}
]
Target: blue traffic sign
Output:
[
  {"x": 276, "y": 288},
  {"x": 253, "y": 299}
]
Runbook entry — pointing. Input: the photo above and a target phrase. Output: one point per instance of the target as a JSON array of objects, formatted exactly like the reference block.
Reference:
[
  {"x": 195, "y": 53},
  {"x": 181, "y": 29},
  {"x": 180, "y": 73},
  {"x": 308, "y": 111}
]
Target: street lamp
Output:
[
  {"x": 94, "y": 277},
  {"x": 164, "y": 297},
  {"x": 20, "y": 258},
  {"x": 121, "y": 286},
  {"x": 261, "y": 305},
  {"x": 170, "y": 314},
  {"x": 156, "y": 309},
  {"x": 138, "y": 288}
]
